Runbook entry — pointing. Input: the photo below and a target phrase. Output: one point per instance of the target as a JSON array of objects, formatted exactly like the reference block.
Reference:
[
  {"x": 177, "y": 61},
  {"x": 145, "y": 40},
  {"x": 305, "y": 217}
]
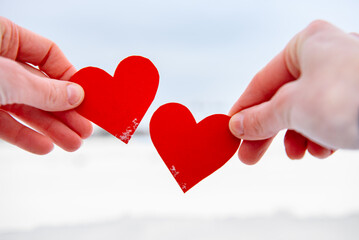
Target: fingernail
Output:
[
  {"x": 74, "y": 93},
  {"x": 236, "y": 124}
]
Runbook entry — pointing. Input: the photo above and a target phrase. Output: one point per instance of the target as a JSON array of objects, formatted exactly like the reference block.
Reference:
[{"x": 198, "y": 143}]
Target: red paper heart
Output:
[
  {"x": 191, "y": 151},
  {"x": 118, "y": 104}
]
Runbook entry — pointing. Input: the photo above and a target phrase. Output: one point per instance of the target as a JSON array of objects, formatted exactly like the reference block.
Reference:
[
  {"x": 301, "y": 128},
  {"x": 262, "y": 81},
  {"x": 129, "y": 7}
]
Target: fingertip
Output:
[
  {"x": 76, "y": 122},
  {"x": 247, "y": 155},
  {"x": 250, "y": 152},
  {"x": 72, "y": 147},
  {"x": 319, "y": 151},
  {"x": 248, "y": 160},
  {"x": 236, "y": 125},
  {"x": 294, "y": 155},
  {"x": 46, "y": 149},
  {"x": 295, "y": 145},
  {"x": 75, "y": 94},
  {"x": 34, "y": 142},
  {"x": 87, "y": 130}
]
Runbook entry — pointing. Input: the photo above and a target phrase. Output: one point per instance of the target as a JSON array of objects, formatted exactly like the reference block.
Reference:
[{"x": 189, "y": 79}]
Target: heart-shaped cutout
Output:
[
  {"x": 118, "y": 104},
  {"x": 191, "y": 151}
]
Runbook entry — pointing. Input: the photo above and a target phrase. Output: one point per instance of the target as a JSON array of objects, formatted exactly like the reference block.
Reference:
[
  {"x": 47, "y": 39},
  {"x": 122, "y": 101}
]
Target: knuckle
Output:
[
  {"x": 2, "y": 26},
  {"x": 317, "y": 24},
  {"x": 256, "y": 125},
  {"x": 8, "y": 95},
  {"x": 52, "y": 96},
  {"x": 49, "y": 127},
  {"x": 4, "y": 23},
  {"x": 283, "y": 105},
  {"x": 316, "y": 27},
  {"x": 9, "y": 36},
  {"x": 3, "y": 20}
]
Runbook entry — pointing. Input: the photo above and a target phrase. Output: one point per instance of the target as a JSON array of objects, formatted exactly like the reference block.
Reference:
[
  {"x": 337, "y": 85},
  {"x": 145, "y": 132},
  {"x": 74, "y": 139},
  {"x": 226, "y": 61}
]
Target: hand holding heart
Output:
[
  {"x": 116, "y": 103},
  {"x": 311, "y": 89},
  {"x": 41, "y": 98}
]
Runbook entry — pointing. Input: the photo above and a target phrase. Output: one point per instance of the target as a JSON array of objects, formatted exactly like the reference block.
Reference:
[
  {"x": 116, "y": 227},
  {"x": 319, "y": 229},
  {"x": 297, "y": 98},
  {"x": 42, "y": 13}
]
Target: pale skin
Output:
[
  {"x": 311, "y": 89},
  {"x": 42, "y": 96}
]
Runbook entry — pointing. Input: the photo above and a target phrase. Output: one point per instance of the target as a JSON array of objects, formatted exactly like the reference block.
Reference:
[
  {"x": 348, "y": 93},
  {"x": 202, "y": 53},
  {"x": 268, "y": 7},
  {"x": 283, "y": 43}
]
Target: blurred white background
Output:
[{"x": 206, "y": 53}]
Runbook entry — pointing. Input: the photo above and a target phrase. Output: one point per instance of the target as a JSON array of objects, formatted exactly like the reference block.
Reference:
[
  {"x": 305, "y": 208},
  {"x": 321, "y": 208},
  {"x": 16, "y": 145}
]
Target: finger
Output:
[
  {"x": 283, "y": 69},
  {"x": 265, "y": 83},
  {"x": 23, "y": 45},
  {"x": 17, "y": 134},
  {"x": 295, "y": 144},
  {"x": 266, "y": 119},
  {"x": 262, "y": 88},
  {"x": 71, "y": 118},
  {"x": 44, "y": 122},
  {"x": 76, "y": 122},
  {"x": 250, "y": 152},
  {"x": 318, "y": 151},
  {"x": 20, "y": 86}
]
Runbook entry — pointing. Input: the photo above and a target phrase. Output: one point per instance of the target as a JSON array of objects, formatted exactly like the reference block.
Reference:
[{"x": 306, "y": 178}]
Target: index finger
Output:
[
  {"x": 265, "y": 83},
  {"x": 22, "y": 45},
  {"x": 261, "y": 89}
]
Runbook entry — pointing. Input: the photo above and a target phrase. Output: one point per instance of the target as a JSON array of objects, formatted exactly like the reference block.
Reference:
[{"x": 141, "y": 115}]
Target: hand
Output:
[
  {"x": 35, "y": 95},
  {"x": 311, "y": 88}
]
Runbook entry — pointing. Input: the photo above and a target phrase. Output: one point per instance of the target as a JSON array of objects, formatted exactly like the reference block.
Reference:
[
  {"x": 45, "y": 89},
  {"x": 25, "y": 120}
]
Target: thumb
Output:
[
  {"x": 21, "y": 86},
  {"x": 264, "y": 120},
  {"x": 52, "y": 95}
]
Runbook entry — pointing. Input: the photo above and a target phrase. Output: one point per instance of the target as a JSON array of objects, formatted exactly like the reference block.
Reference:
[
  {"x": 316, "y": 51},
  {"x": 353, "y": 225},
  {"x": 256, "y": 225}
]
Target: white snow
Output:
[{"x": 107, "y": 180}]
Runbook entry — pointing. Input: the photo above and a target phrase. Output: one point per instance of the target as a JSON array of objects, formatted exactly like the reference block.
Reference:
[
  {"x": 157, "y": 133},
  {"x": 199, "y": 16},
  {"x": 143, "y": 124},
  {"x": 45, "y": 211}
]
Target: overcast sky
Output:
[{"x": 205, "y": 51}]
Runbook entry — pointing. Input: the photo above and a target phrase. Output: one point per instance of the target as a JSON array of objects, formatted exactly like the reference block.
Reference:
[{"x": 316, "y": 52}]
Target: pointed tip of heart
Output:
[
  {"x": 123, "y": 139},
  {"x": 186, "y": 190},
  {"x": 184, "y": 187}
]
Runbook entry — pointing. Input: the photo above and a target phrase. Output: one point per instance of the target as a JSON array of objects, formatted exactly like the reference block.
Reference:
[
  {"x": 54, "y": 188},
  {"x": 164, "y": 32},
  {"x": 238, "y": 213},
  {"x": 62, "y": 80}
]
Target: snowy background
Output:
[{"x": 206, "y": 53}]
